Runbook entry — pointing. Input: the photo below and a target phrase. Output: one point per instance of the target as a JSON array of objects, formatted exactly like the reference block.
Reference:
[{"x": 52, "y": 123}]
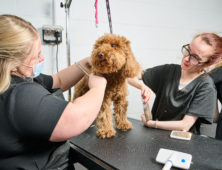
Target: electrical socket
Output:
[{"x": 52, "y": 34}]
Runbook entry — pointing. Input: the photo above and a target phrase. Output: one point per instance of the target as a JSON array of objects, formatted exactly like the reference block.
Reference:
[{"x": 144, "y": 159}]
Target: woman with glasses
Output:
[
  {"x": 34, "y": 124},
  {"x": 185, "y": 94}
]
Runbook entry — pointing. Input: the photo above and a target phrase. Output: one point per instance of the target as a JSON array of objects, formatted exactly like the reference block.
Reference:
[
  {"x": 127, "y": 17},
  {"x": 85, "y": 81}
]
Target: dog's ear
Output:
[
  {"x": 132, "y": 67},
  {"x": 98, "y": 42},
  {"x": 101, "y": 40}
]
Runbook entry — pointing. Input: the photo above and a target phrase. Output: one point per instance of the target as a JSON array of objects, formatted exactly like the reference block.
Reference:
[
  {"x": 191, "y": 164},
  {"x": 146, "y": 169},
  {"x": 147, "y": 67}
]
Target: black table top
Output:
[{"x": 138, "y": 148}]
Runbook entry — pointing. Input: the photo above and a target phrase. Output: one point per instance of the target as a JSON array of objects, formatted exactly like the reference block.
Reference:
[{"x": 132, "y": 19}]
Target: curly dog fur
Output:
[{"x": 112, "y": 58}]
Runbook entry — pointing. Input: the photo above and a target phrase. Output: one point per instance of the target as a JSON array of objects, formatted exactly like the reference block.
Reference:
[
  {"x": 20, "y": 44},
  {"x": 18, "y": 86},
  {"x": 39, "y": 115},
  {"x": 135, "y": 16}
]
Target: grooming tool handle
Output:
[{"x": 178, "y": 159}]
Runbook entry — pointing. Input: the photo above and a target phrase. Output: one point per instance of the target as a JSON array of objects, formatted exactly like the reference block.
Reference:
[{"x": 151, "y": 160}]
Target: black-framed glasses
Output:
[{"x": 192, "y": 57}]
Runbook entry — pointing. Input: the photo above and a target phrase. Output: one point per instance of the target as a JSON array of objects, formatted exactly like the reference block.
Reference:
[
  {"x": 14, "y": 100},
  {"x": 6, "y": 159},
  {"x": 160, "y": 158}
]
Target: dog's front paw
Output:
[
  {"x": 102, "y": 133},
  {"x": 124, "y": 125}
]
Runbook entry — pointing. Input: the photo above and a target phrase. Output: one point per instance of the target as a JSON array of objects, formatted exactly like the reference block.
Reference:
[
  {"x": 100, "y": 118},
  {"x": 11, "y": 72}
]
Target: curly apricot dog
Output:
[{"x": 112, "y": 58}]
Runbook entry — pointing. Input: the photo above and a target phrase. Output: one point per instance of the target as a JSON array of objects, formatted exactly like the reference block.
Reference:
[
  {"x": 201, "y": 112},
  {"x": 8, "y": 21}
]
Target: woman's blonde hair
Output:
[{"x": 16, "y": 40}]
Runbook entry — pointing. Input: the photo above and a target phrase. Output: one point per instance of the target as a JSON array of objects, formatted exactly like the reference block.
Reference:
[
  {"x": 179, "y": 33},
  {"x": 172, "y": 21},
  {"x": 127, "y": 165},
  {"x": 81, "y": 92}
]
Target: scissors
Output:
[{"x": 82, "y": 69}]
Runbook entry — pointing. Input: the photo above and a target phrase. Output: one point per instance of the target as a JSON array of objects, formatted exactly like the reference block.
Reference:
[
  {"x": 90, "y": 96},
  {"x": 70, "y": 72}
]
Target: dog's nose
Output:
[{"x": 101, "y": 55}]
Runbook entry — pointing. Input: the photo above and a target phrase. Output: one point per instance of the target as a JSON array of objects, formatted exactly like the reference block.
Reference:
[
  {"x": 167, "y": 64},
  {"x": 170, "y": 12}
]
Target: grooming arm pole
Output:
[{"x": 68, "y": 44}]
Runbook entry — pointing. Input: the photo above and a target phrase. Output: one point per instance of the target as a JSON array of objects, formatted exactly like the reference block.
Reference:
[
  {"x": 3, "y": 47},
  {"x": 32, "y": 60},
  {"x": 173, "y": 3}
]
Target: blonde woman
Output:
[
  {"x": 34, "y": 124},
  {"x": 185, "y": 94}
]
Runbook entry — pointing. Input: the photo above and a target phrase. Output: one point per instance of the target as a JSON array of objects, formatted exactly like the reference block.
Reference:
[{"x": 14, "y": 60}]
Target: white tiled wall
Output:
[{"x": 156, "y": 28}]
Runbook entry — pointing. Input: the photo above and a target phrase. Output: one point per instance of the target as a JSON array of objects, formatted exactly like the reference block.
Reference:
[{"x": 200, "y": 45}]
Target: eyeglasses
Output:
[{"x": 192, "y": 58}]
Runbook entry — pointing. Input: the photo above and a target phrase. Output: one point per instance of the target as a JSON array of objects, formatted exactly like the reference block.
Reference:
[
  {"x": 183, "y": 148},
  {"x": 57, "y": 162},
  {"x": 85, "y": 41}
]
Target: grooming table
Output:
[{"x": 138, "y": 148}]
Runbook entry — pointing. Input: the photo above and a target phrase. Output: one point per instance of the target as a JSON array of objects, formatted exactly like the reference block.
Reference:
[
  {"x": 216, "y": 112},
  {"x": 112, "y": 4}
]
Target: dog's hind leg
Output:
[
  {"x": 104, "y": 121},
  {"x": 120, "y": 113}
]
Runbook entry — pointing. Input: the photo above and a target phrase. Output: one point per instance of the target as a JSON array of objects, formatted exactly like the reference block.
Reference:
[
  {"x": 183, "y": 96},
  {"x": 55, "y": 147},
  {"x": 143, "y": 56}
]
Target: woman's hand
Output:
[
  {"x": 96, "y": 81},
  {"x": 146, "y": 93},
  {"x": 88, "y": 63},
  {"x": 149, "y": 123}
]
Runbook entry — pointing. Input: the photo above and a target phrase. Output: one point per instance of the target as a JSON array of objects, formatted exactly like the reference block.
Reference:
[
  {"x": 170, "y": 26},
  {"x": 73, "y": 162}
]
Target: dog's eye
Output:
[{"x": 113, "y": 45}]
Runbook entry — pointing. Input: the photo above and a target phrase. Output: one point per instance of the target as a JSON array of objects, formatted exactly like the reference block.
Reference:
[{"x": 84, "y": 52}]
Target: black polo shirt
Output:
[
  {"x": 216, "y": 75},
  {"x": 198, "y": 98},
  {"x": 28, "y": 115}
]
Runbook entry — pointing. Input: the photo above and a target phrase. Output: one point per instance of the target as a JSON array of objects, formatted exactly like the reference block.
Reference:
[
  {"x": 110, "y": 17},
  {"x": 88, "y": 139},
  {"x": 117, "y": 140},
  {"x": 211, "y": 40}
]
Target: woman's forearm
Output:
[
  {"x": 68, "y": 77},
  {"x": 89, "y": 105},
  {"x": 79, "y": 115},
  {"x": 185, "y": 124},
  {"x": 167, "y": 125},
  {"x": 135, "y": 82}
]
